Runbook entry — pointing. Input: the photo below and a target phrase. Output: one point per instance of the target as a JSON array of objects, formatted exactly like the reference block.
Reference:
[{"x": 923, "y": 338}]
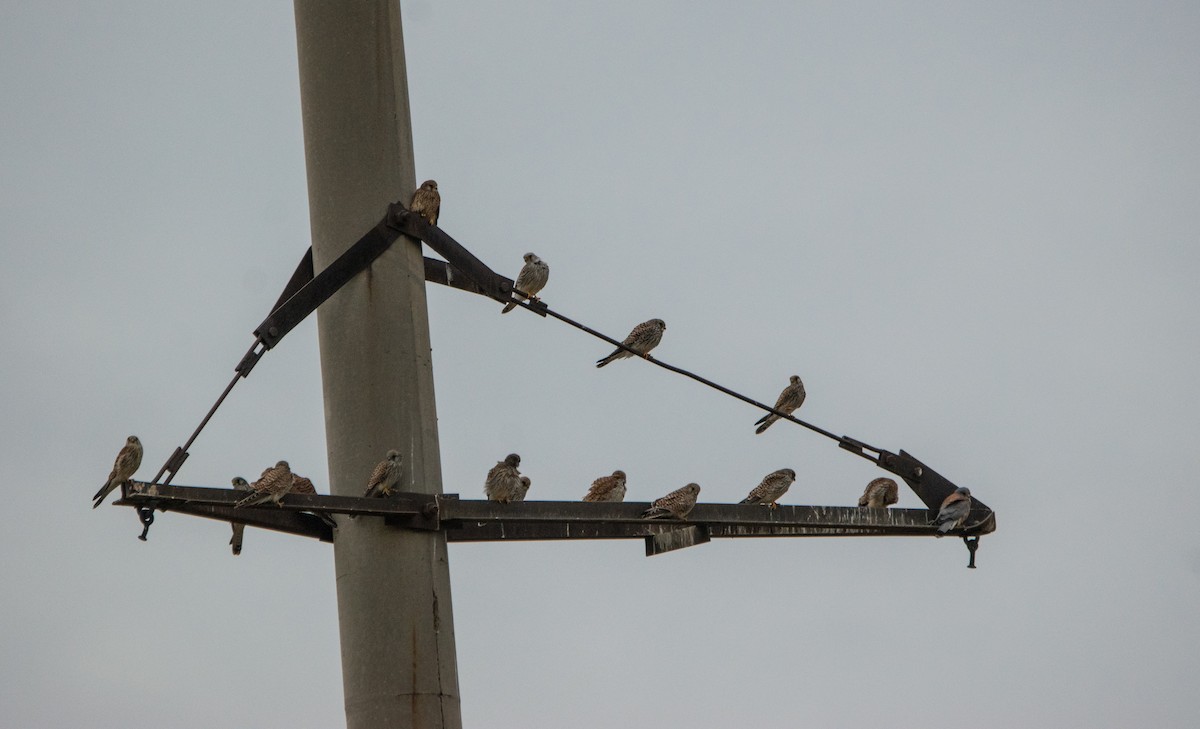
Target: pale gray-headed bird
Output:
[
  {"x": 774, "y": 485},
  {"x": 427, "y": 201},
  {"x": 880, "y": 494},
  {"x": 678, "y": 504},
  {"x": 954, "y": 511},
  {"x": 607, "y": 488},
  {"x": 128, "y": 460},
  {"x": 641, "y": 340},
  {"x": 789, "y": 400},
  {"x": 533, "y": 278},
  {"x": 274, "y": 483},
  {"x": 239, "y": 530},
  {"x": 503, "y": 482}
]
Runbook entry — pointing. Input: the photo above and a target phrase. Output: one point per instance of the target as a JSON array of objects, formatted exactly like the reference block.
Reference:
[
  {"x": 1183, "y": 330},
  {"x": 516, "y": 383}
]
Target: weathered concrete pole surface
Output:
[{"x": 393, "y": 585}]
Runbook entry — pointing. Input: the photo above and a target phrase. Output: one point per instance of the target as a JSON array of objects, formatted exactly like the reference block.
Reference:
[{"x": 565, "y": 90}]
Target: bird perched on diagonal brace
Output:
[
  {"x": 677, "y": 504},
  {"x": 641, "y": 340},
  {"x": 880, "y": 494},
  {"x": 789, "y": 401},
  {"x": 427, "y": 201},
  {"x": 533, "y": 278},
  {"x": 128, "y": 460},
  {"x": 774, "y": 485},
  {"x": 954, "y": 511}
]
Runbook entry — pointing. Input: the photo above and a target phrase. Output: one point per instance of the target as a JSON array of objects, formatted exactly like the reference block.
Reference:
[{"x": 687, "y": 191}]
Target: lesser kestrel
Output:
[
  {"x": 789, "y": 400},
  {"x": 128, "y": 460},
  {"x": 607, "y": 488},
  {"x": 239, "y": 530},
  {"x": 386, "y": 475},
  {"x": 774, "y": 485},
  {"x": 954, "y": 511},
  {"x": 880, "y": 494},
  {"x": 677, "y": 504},
  {"x": 427, "y": 201},
  {"x": 274, "y": 483},
  {"x": 503, "y": 482},
  {"x": 533, "y": 278},
  {"x": 641, "y": 340}
]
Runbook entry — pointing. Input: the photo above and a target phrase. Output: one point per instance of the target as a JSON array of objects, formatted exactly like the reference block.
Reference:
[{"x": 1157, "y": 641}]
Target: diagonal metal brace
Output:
[
  {"x": 316, "y": 291},
  {"x": 488, "y": 282},
  {"x": 306, "y": 291},
  {"x": 931, "y": 487}
]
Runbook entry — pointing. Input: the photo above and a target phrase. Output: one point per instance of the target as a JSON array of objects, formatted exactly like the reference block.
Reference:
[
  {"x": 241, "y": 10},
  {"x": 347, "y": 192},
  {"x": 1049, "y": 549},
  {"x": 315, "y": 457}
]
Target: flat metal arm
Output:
[{"x": 478, "y": 520}]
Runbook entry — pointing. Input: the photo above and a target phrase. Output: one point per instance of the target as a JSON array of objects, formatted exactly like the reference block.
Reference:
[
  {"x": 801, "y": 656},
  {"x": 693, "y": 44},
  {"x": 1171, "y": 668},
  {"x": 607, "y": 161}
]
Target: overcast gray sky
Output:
[{"x": 971, "y": 229}]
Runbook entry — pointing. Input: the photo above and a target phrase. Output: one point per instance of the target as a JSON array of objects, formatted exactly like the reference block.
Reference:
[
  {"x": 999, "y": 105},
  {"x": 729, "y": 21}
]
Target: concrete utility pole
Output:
[{"x": 393, "y": 585}]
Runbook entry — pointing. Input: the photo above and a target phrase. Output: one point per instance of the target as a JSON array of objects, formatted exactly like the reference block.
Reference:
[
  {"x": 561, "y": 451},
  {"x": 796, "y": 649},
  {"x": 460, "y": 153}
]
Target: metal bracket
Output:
[
  {"x": 679, "y": 538},
  {"x": 972, "y": 545},
  {"x": 146, "y": 515}
]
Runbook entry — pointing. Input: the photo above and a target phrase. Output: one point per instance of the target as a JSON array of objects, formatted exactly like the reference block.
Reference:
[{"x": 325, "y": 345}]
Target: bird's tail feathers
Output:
[
  {"x": 253, "y": 499},
  {"x": 766, "y": 423},
  {"x": 102, "y": 493},
  {"x": 656, "y": 512},
  {"x": 508, "y": 307},
  {"x": 746, "y": 500},
  {"x": 606, "y": 360}
]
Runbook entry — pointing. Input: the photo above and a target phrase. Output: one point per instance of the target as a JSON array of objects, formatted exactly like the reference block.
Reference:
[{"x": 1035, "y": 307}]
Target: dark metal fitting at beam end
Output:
[
  {"x": 395, "y": 216},
  {"x": 146, "y": 515},
  {"x": 972, "y": 545},
  {"x": 175, "y": 462}
]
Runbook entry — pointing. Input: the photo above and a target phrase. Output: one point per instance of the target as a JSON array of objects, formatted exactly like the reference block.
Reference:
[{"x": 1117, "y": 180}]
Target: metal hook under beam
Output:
[
  {"x": 146, "y": 515},
  {"x": 972, "y": 545}
]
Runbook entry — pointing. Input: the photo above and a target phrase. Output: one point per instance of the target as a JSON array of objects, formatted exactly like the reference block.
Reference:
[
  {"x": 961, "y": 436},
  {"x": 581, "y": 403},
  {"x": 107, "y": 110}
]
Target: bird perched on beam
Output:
[
  {"x": 954, "y": 511},
  {"x": 385, "y": 476},
  {"x": 607, "y": 488},
  {"x": 504, "y": 482},
  {"x": 302, "y": 485},
  {"x": 533, "y": 278},
  {"x": 274, "y": 483},
  {"x": 774, "y": 485},
  {"x": 678, "y": 504},
  {"x": 880, "y": 494},
  {"x": 239, "y": 530},
  {"x": 641, "y": 340},
  {"x": 128, "y": 460},
  {"x": 427, "y": 201},
  {"x": 789, "y": 401}
]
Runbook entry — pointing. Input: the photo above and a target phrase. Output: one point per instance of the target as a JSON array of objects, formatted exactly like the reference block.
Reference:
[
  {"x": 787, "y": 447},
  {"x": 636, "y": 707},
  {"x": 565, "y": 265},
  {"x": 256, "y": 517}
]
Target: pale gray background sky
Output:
[{"x": 970, "y": 227}]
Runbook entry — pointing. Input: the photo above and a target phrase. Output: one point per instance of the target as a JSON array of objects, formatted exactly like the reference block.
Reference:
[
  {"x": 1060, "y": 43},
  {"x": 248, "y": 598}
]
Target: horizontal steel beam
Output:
[{"x": 476, "y": 520}]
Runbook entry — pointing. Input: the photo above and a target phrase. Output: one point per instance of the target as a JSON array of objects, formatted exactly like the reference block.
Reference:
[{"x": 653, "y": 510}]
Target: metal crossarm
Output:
[{"x": 467, "y": 520}]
